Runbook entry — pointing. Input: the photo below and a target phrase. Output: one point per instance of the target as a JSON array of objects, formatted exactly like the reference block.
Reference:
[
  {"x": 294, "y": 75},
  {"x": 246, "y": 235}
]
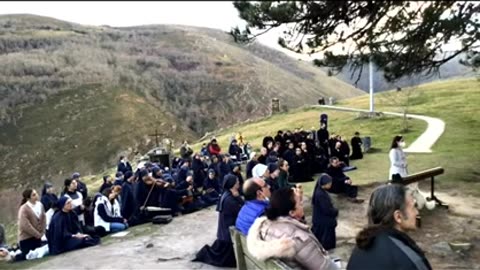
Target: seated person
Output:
[
  {"x": 385, "y": 243},
  {"x": 324, "y": 218},
  {"x": 250, "y": 164},
  {"x": 107, "y": 183},
  {"x": 283, "y": 234},
  {"x": 274, "y": 172},
  {"x": 65, "y": 233},
  {"x": 234, "y": 150},
  {"x": 211, "y": 188},
  {"x": 257, "y": 193},
  {"x": 128, "y": 205},
  {"x": 118, "y": 179},
  {"x": 340, "y": 182},
  {"x": 107, "y": 213}
]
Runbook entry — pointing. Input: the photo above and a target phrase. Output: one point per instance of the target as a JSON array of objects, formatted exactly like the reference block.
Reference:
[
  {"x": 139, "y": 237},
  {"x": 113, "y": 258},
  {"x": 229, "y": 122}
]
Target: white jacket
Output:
[
  {"x": 398, "y": 163},
  {"x": 112, "y": 210}
]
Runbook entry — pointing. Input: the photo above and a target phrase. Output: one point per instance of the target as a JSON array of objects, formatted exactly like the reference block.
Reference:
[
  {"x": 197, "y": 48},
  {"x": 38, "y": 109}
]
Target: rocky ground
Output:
[{"x": 172, "y": 246}]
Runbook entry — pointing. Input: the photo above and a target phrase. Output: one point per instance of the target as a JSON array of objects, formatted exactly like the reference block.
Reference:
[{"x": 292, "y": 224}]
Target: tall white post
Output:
[{"x": 371, "y": 85}]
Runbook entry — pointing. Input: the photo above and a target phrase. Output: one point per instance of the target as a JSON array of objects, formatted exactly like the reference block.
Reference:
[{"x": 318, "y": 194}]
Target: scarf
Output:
[{"x": 404, "y": 238}]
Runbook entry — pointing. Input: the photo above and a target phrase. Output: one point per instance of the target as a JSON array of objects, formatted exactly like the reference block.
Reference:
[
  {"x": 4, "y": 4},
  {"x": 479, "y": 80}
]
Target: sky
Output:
[{"x": 221, "y": 15}]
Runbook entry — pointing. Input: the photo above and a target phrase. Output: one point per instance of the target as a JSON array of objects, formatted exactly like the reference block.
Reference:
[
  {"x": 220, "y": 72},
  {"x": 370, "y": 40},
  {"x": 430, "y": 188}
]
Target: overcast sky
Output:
[{"x": 220, "y": 15}]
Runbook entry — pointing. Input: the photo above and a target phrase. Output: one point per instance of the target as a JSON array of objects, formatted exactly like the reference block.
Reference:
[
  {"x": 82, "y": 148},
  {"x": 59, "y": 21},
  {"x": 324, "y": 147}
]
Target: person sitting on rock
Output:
[
  {"x": 324, "y": 218},
  {"x": 341, "y": 183},
  {"x": 385, "y": 243},
  {"x": 257, "y": 195},
  {"x": 282, "y": 233},
  {"x": 65, "y": 232}
]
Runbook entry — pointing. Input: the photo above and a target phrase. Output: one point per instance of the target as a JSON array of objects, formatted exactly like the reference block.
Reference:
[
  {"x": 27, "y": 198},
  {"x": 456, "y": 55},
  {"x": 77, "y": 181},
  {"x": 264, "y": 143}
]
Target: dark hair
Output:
[
  {"x": 281, "y": 162},
  {"x": 107, "y": 191},
  {"x": 26, "y": 195},
  {"x": 66, "y": 184},
  {"x": 395, "y": 141},
  {"x": 281, "y": 203},
  {"x": 384, "y": 201},
  {"x": 105, "y": 177},
  {"x": 121, "y": 157},
  {"x": 250, "y": 192},
  {"x": 357, "y": 133},
  {"x": 333, "y": 158}
]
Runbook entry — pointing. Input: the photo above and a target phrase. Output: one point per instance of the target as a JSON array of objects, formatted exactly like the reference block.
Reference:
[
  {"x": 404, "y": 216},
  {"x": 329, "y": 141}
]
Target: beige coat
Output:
[
  {"x": 29, "y": 225},
  {"x": 289, "y": 239}
]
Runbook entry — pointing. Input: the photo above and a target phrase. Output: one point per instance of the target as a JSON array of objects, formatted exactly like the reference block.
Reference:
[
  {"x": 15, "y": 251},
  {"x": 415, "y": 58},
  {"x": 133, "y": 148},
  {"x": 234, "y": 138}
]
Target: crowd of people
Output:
[{"x": 267, "y": 207}]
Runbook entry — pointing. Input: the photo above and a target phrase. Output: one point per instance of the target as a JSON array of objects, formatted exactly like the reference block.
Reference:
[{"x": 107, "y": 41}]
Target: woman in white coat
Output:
[
  {"x": 398, "y": 159},
  {"x": 398, "y": 165}
]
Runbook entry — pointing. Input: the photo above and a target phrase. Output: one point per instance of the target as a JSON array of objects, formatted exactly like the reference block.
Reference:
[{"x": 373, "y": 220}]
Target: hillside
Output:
[
  {"x": 450, "y": 70},
  {"x": 74, "y": 97},
  {"x": 453, "y": 101}
]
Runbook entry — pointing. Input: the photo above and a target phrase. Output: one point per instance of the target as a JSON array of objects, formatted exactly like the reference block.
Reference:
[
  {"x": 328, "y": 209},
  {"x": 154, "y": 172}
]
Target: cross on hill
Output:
[{"x": 156, "y": 135}]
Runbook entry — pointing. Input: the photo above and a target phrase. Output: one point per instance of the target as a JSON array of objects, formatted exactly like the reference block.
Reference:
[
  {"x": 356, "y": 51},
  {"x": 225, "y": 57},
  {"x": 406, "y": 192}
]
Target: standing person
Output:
[
  {"x": 324, "y": 213},
  {"x": 398, "y": 159},
  {"x": 356, "y": 143},
  {"x": 384, "y": 243},
  {"x": 221, "y": 253},
  {"x": 123, "y": 165},
  {"x": 31, "y": 223},
  {"x": 65, "y": 232}
]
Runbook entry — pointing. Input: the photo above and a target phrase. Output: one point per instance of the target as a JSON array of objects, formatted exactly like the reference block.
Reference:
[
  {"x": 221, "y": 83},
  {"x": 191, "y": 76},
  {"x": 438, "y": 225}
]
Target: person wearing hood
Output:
[
  {"x": 324, "y": 220},
  {"x": 65, "y": 233},
  {"x": 223, "y": 168},
  {"x": 198, "y": 168},
  {"x": 211, "y": 188},
  {"x": 282, "y": 233},
  {"x": 107, "y": 183},
  {"x": 221, "y": 252},
  {"x": 119, "y": 177},
  {"x": 385, "y": 243}
]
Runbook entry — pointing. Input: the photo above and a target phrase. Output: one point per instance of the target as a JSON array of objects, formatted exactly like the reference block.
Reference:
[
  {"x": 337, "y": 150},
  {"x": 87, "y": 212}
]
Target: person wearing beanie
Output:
[
  {"x": 64, "y": 233},
  {"x": 324, "y": 217}
]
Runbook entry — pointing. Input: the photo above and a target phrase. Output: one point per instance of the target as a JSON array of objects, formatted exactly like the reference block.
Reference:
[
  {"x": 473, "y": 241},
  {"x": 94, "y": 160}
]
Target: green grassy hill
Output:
[
  {"x": 453, "y": 101},
  {"x": 73, "y": 97}
]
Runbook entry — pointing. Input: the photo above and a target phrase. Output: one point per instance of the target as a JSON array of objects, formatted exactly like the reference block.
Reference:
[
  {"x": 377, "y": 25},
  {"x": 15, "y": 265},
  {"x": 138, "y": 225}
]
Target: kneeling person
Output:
[{"x": 107, "y": 213}]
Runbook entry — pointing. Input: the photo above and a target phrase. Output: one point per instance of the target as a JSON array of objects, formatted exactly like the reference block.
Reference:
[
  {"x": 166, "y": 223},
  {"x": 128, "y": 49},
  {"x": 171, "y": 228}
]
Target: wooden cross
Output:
[{"x": 156, "y": 135}]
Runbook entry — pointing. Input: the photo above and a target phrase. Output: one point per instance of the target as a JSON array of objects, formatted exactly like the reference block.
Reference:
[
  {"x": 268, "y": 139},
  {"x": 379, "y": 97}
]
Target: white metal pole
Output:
[{"x": 371, "y": 85}]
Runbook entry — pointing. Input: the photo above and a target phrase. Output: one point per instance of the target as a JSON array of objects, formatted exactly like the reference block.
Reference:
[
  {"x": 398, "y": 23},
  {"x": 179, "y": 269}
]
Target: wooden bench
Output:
[
  {"x": 245, "y": 260},
  {"x": 420, "y": 176}
]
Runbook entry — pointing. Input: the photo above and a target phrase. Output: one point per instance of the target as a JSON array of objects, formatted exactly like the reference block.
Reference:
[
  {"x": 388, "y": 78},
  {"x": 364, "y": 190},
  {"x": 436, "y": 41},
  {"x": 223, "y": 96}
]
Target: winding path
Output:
[{"x": 423, "y": 143}]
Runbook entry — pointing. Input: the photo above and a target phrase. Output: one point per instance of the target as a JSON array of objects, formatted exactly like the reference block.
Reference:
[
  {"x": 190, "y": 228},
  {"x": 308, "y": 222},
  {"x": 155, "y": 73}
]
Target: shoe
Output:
[{"x": 356, "y": 200}]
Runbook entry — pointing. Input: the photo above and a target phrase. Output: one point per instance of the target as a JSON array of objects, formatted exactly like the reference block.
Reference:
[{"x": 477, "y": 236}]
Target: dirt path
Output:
[{"x": 424, "y": 142}]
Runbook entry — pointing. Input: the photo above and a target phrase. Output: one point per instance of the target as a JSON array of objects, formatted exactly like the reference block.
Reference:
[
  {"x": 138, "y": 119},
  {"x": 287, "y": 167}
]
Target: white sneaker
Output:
[{"x": 32, "y": 255}]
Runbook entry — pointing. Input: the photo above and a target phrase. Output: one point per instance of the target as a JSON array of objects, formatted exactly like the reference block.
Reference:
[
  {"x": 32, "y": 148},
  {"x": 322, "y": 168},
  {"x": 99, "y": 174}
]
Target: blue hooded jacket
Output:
[{"x": 250, "y": 211}]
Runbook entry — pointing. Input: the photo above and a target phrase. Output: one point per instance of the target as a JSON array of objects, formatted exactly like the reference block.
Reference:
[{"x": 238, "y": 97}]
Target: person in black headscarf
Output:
[
  {"x": 356, "y": 143},
  {"x": 221, "y": 253},
  {"x": 65, "y": 233},
  {"x": 324, "y": 213},
  {"x": 107, "y": 183},
  {"x": 49, "y": 198},
  {"x": 128, "y": 205},
  {"x": 211, "y": 188}
]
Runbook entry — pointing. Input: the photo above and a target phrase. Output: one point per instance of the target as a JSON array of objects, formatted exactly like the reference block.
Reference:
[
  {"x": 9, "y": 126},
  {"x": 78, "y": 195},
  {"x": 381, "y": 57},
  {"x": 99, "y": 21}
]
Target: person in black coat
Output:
[
  {"x": 81, "y": 187},
  {"x": 340, "y": 182},
  {"x": 324, "y": 213},
  {"x": 384, "y": 243},
  {"x": 253, "y": 161},
  {"x": 289, "y": 154},
  {"x": 356, "y": 143},
  {"x": 235, "y": 150},
  {"x": 211, "y": 188},
  {"x": 223, "y": 168},
  {"x": 49, "y": 198},
  {"x": 107, "y": 183},
  {"x": 221, "y": 253},
  {"x": 65, "y": 233},
  {"x": 323, "y": 136},
  {"x": 198, "y": 168},
  {"x": 123, "y": 165},
  {"x": 129, "y": 205}
]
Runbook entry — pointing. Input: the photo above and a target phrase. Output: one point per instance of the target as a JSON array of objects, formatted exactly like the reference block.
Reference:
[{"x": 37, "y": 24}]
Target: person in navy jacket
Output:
[
  {"x": 324, "y": 213},
  {"x": 123, "y": 165}
]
